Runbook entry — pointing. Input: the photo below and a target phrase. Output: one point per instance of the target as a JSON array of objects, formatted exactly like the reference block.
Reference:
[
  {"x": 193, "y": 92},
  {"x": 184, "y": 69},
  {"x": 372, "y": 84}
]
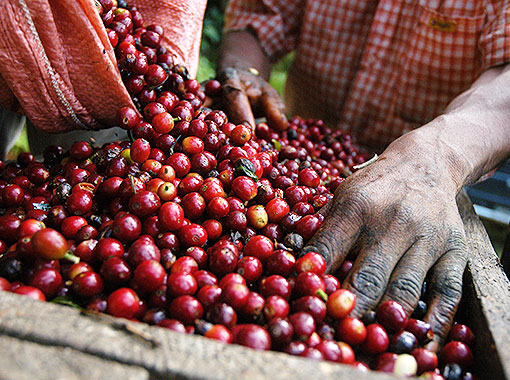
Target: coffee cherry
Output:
[
  {"x": 311, "y": 262},
  {"x": 31, "y": 292},
  {"x": 260, "y": 247},
  {"x": 376, "y": 341},
  {"x": 88, "y": 284},
  {"x": 149, "y": 276},
  {"x": 303, "y": 324},
  {"x": 405, "y": 365},
  {"x": 48, "y": 280},
  {"x": 193, "y": 235},
  {"x": 456, "y": 352},
  {"x": 127, "y": 118},
  {"x": 392, "y": 316},
  {"x": 49, "y": 244},
  {"x": 257, "y": 216},
  {"x": 115, "y": 271},
  {"x": 250, "y": 268},
  {"x": 421, "y": 330},
  {"x": 425, "y": 359},
  {"x": 144, "y": 203},
  {"x": 312, "y": 305},
  {"x": 126, "y": 227},
  {"x": 280, "y": 262},
  {"x": 461, "y": 333},
  {"x": 341, "y": 303},
  {"x": 123, "y": 302},
  {"x": 252, "y": 336},
  {"x": 186, "y": 309},
  {"x": 280, "y": 331},
  {"x": 140, "y": 150},
  {"x": 351, "y": 330},
  {"x": 275, "y": 285},
  {"x": 386, "y": 362},
  {"x": 219, "y": 332},
  {"x": 241, "y": 135},
  {"x": 163, "y": 122},
  {"x": 181, "y": 283},
  {"x": 244, "y": 188},
  {"x": 155, "y": 75},
  {"x": 403, "y": 342},
  {"x": 170, "y": 216}
]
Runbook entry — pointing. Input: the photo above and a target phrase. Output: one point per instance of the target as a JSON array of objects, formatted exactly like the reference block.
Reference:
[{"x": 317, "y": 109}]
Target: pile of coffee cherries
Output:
[{"x": 197, "y": 224}]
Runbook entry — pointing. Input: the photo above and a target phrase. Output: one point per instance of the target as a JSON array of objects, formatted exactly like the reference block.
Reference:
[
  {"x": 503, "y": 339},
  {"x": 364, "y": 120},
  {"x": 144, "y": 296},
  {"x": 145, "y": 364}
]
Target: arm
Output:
[
  {"x": 476, "y": 125},
  {"x": 399, "y": 214}
]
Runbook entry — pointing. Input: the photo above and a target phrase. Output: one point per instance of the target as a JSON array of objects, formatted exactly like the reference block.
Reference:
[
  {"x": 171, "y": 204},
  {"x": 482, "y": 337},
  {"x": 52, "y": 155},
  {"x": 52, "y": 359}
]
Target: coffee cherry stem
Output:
[
  {"x": 322, "y": 295},
  {"x": 71, "y": 257},
  {"x": 366, "y": 163},
  {"x": 132, "y": 183},
  {"x": 171, "y": 150}
]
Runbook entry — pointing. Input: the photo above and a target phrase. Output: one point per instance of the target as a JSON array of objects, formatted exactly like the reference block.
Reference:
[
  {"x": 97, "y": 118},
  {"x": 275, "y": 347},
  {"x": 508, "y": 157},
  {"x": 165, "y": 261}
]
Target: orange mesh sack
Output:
[{"x": 57, "y": 65}]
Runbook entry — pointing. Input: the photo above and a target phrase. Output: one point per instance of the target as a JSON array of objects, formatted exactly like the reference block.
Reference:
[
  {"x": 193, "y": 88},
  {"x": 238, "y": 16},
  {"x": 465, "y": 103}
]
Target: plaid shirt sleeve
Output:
[
  {"x": 495, "y": 38},
  {"x": 276, "y": 23}
]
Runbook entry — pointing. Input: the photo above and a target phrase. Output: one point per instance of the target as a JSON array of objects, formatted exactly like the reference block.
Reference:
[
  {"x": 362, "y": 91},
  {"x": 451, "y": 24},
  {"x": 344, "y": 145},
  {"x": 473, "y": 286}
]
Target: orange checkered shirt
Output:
[{"x": 377, "y": 68}]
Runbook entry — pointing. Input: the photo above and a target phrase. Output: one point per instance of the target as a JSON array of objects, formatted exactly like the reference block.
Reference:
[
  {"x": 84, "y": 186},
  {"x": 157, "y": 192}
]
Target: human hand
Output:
[
  {"x": 399, "y": 217},
  {"x": 246, "y": 95}
]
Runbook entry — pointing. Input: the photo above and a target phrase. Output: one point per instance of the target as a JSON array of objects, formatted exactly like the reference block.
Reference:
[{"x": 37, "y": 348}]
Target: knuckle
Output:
[
  {"x": 449, "y": 289},
  {"x": 230, "y": 90},
  {"x": 369, "y": 281},
  {"x": 456, "y": 240},
  {"x": 226, "y": 74},
  {"x": 401, "y": 214},
  {"x": 406, "y": 290},
  {"x": 353, "y": 205}
]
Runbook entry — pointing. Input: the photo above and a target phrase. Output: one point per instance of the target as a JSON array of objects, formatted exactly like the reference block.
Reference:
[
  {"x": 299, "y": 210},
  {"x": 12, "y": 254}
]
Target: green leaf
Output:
[
  {"x": 63, "y": 300},
  {"x": 245, "y": 167}
]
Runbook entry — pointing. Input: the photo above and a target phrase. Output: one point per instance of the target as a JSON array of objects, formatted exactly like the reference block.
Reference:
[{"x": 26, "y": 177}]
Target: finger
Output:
[
  {"x": 408, "y": 276},
  {"x": 236, "y": 102},
  {"x": 324, "y": 210},
  {"x": 445, "y": 293},
  {"x": 338, "y": 232},
  {"x": 274, "y": 108},
  {"x": 378, "y": 255}
]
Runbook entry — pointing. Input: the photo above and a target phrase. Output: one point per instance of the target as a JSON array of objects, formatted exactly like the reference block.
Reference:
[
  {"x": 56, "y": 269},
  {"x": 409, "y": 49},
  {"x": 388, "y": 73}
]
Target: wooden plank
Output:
[
  {"x": 23, "y": 360},
  {"x": 505, "y": 254},
  {"x": 490, "y": 296},
  {"x": 177, "y": 356}
]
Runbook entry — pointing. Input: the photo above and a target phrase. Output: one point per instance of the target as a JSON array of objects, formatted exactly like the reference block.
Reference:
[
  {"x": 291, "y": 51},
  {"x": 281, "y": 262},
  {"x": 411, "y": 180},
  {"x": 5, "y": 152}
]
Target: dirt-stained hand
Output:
[
  {"x": 247, "y": 95},
  {"x": 399, "y": 217}
]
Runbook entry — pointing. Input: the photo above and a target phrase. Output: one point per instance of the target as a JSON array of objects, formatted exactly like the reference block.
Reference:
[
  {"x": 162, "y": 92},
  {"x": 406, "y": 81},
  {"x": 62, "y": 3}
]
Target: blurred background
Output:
[{"x": 491, "y": 197}]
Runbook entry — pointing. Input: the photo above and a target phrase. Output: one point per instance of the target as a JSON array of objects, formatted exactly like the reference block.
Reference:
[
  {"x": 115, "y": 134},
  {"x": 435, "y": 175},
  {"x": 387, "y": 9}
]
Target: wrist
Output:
[{"x": 433, "y": 156}]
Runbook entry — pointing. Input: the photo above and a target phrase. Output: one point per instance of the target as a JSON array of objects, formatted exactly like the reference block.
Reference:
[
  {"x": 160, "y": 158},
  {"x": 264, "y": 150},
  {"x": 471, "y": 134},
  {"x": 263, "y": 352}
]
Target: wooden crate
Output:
[{"x": 47, "y": 341}]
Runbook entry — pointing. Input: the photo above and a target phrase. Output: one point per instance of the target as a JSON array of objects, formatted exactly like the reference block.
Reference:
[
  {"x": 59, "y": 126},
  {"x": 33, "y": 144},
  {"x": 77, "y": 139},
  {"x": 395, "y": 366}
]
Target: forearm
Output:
[
  {"x": 473, "y": 135},
  {"x": 242, "y": 49}
]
